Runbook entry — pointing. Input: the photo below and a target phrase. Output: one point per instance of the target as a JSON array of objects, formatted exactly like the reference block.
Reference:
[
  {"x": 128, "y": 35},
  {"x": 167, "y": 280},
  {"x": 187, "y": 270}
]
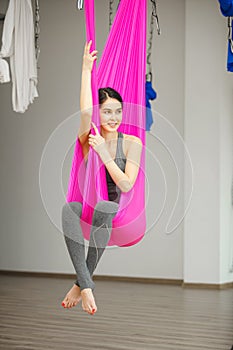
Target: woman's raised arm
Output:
[{"x": 86, "y": 104}]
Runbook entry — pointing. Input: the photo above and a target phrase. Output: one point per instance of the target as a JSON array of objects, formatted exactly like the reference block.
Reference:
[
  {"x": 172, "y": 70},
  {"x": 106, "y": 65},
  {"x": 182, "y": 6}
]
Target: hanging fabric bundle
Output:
[
  {"x": 18, "y": 44},
  {"x": 226, "y": 7},
  {"x": 150, "y": 96},
  {"x": 37, "y": 30},
  {"x": 122, "y": 67},
  {"x": 230, "y": 45}
]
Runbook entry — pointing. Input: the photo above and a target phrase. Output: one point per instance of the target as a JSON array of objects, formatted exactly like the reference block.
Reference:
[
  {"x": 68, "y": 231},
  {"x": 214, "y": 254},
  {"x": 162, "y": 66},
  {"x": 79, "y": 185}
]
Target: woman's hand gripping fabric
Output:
[
  {"x": 89, "y": 57},
  {"x": 97, "y": 141}
]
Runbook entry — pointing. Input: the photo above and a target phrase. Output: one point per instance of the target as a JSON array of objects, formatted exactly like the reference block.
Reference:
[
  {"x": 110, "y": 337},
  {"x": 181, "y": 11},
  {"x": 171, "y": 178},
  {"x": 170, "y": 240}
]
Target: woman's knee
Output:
[
  {"x": 70, "y": 207},
  {"x": 107, "y": 207}
]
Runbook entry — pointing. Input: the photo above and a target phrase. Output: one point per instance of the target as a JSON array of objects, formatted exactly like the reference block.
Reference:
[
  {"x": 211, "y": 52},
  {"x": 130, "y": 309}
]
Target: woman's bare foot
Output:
[
  {"x": 88, "y": 301},
  {"x": 72, "y": 298}
]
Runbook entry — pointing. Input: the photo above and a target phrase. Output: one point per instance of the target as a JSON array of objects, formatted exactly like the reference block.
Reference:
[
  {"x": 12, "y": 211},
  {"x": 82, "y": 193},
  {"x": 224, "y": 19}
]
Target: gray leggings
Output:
[{"x": 103, "y": 214}]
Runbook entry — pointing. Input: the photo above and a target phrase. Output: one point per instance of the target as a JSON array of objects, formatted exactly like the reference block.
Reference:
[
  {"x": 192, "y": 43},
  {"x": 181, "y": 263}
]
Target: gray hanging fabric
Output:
[{"x": 37, "y": 30}]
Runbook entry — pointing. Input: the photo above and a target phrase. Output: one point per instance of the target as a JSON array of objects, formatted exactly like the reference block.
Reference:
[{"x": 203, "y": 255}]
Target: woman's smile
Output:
[{"x": 112, "y": 124}]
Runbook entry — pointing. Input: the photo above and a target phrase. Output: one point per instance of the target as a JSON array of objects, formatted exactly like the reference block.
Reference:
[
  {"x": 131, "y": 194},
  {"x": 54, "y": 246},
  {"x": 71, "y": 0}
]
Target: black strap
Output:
[
  {"x": 230, "y": 35},
  {"x": 111, "y": 12},
  {"x": 154, "y": 14}
]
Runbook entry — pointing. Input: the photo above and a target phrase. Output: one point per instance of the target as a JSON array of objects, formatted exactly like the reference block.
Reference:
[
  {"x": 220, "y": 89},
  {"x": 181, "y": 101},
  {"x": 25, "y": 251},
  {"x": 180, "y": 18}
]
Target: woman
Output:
[{"x": 121, "y": 155}]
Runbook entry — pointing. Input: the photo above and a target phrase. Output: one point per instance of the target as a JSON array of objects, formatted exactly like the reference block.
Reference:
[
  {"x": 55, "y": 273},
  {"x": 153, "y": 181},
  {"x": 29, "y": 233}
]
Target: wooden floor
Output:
[{"x": 130, "y": 316}]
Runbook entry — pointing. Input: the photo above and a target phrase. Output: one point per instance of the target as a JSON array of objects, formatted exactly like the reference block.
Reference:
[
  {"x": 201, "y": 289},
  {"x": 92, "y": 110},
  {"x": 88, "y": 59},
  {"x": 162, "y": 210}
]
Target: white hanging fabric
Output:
[
  {"x": 4, "y": 71},
  {"x": 18, "y": 43}
]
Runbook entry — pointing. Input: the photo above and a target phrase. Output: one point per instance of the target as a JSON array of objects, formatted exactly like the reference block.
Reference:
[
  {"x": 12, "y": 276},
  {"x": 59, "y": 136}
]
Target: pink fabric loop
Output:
[{"x": 122, "y": 67}]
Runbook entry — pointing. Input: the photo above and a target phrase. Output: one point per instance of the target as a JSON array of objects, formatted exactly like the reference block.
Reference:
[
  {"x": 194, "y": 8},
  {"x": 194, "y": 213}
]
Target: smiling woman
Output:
[
  {"x": 120, "y": 154},
  {"x": 110, "y": 108}
]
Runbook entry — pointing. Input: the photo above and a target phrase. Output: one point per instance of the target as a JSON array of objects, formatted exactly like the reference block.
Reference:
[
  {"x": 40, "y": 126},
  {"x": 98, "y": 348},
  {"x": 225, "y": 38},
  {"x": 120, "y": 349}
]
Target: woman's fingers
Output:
[
  {"x": 93, "y": 52},
  {"x": 89, "y": 46},
  {"x": 93, "y": 55},
  {"x": 85, "y": 49},
  {"x": 92, "y": 137},
  {"x": 95, "y": 128}
]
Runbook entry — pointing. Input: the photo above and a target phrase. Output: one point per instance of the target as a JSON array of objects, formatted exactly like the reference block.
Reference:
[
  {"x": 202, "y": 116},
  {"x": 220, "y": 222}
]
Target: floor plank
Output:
[{"x": 130, "y": 316}]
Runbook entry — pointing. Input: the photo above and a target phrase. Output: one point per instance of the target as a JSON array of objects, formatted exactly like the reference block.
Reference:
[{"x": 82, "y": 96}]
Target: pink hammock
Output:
[{"x": 122, "y": 67}]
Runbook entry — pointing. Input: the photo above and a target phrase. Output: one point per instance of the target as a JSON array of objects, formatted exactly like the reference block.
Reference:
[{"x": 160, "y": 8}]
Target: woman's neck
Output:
[{"x": 109, "y": 135}]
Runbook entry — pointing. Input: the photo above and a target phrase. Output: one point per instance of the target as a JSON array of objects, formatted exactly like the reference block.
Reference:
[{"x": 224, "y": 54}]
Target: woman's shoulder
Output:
[{"x": 132, "y": 138}]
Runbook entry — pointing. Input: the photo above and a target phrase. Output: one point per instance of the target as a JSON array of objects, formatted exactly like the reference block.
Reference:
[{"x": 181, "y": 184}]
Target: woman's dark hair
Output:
[{"x": 104, "y": 93}]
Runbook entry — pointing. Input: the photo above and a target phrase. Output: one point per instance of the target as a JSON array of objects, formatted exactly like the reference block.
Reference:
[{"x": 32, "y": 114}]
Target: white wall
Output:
[
  {"x": 208, "y": 133},
  {"x": 30, "y": 240},
  {"x": 226, "y": 177}
]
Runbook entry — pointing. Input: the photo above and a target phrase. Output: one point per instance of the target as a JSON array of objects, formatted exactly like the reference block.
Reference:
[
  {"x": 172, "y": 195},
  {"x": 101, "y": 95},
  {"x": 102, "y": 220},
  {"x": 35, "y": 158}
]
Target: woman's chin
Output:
[{"x": 110, "y": 128}]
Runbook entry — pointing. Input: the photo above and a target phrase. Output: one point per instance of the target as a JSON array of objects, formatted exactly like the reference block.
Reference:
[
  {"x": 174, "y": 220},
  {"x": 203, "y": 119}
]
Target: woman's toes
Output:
[
  {"x": 70, "y": 304},
  {"x": 72, "y": 298},
  {"x": 64, "y": 302},
  {"x": 86, "y": 308},
  {"x": 92, "y": 310},
  {"x": 88, "y": 301}
]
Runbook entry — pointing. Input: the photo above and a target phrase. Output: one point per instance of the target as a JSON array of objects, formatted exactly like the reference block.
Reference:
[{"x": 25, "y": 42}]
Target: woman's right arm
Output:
[{"x": 86, "y": 104}]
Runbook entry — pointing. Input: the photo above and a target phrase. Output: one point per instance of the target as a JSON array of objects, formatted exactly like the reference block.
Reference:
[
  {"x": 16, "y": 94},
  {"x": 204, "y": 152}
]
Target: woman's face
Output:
[{"x": 110, "y": 114}]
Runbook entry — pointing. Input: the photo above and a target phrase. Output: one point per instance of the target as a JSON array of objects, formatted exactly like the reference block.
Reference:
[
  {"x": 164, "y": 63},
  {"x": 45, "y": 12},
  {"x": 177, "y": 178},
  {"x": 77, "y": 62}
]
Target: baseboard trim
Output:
[
  {"x": 139, "y": 280},
  {"x": 208, "y": 285},
  {"x": 166, "y": 281},
  {"x": 95, "y": 277},
  {"x": 37, "y": 274}
]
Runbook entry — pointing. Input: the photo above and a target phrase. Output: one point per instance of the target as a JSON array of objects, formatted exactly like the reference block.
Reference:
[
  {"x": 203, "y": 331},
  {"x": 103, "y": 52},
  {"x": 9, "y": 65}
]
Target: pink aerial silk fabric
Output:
[{"x": 122, "y": 67}]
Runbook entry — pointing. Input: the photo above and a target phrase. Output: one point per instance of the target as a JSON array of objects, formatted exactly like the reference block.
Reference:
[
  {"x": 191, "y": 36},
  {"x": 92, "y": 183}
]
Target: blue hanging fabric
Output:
[
  {"x": 226, "y": 7},
  {"x": 230, "y": 46},
  {"x": 150, "y": 95}
]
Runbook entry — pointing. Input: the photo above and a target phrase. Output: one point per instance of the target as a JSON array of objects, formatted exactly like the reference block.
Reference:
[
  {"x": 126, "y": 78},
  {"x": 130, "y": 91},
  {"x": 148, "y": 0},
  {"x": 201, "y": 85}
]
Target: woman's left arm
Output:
[{"x": 124, "y": 180}]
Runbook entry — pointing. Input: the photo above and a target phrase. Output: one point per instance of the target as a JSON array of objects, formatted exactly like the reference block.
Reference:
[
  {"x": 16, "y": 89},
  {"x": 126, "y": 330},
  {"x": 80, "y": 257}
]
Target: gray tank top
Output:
[{"x": 114, "y": 192}]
